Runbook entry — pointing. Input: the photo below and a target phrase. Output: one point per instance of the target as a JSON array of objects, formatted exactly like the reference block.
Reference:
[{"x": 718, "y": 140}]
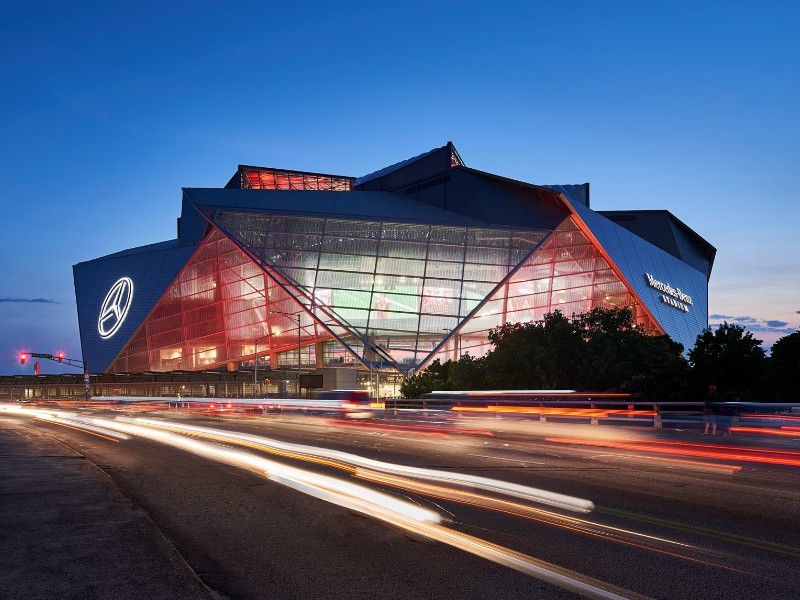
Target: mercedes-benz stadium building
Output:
[{"x": 388, "y": 271}]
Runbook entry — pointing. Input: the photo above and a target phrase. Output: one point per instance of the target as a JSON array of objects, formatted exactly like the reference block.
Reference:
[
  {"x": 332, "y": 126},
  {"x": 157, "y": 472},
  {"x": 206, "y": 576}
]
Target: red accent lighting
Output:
[{"x": 260, "y": 178}]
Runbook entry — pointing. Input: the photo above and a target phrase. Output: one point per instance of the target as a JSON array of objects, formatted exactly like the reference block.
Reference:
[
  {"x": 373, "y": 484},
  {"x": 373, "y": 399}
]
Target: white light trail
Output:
[
  {"x": 381, "y": 506},
  {"x": 493, "y": 485}
]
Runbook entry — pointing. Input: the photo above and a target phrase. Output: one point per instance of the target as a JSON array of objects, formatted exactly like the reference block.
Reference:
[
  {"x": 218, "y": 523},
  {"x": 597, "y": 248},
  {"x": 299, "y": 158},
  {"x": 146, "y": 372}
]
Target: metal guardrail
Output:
[
  {"x": 653, "y": 414},
  {"x": 607, "y": 412}
]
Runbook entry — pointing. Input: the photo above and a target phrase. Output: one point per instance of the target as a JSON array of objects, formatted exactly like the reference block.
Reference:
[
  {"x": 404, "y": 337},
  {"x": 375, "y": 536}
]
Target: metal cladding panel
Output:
[
  {"x": 661, "y": 228},
  {"x": 150, "y": 270},
  {"x": 408, "y": 171},
  {"x": 358, "y": 205},
  {"x": 576, "y": 192},
  {"x": 193, "y": 224},
  {"x": 654, "y": 226},
  {"x": 693, "y": 253},
  {"x": 636, "y": 258},
  {"x": 501, "y": 202}
]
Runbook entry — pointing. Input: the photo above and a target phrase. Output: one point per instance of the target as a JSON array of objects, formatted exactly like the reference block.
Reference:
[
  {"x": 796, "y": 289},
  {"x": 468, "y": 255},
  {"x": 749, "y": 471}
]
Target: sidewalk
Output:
[{"x": 66, "y": 532}]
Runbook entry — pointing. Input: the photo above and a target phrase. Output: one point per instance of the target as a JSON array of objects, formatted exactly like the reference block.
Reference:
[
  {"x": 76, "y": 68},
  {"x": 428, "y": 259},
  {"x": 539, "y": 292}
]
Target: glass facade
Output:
[
  {"x": 217, "y": 311},
  {"x": 384, "y": 293},
  {"x": 390, "y": 291},
  {"x": 567, "y": 273}
]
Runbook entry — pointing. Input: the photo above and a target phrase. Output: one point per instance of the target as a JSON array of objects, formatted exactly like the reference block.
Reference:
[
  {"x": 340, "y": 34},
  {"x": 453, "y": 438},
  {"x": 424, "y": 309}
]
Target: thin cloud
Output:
[
  {"x": 31, "y": 300},
  {"x": 740, "y": 319},
  {"x": 754, "y": 324},
  {"x": 776, "y": 323}
]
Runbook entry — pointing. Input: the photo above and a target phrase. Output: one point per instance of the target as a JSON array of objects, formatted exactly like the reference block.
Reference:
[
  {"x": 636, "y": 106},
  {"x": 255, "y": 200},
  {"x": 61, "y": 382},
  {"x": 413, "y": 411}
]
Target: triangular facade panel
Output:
[
  {"x": 220, "y": 309},
  {"x": 675, "y": 293},
  {"x": 566, "y": 273},
  {"x": 400, "y": 288}
]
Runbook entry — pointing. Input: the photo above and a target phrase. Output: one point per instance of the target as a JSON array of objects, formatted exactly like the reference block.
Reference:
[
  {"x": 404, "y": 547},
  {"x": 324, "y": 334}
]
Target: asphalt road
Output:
[{"x": 671, "y": 518}]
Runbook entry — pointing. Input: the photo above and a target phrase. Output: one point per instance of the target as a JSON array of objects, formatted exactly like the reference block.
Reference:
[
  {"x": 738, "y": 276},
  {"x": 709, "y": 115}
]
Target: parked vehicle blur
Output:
[{"x": 356, "y": 404}]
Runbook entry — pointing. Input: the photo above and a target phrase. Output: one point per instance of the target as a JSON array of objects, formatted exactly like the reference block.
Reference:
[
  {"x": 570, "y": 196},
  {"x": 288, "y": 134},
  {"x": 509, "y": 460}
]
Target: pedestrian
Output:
[
  {"x": 727, "y": 414},
  {"x": 710, "y": 408}
]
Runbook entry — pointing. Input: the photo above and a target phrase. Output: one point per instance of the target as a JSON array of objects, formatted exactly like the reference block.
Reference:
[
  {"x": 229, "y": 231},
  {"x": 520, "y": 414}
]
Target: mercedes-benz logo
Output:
[{"x": 115, "y": 307}]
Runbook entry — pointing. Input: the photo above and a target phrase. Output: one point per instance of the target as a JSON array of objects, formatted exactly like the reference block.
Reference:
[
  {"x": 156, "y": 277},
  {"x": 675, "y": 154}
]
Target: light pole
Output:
[
  {"x": 255, "y": 363},
  {"x": 457, "y": 340},
  {"x": 296, "y": 319}
]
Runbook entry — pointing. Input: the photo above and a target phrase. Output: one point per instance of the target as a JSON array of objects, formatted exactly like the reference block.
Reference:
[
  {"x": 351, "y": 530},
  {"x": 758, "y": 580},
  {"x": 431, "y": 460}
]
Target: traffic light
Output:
[
  {"x": 60, "y": 356},
  {"x": 22, "y": 358}
]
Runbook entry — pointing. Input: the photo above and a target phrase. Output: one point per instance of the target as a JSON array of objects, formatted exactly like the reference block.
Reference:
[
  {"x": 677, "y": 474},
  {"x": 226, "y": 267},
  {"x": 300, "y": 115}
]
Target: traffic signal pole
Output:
[{"x": 72, "y": 362}]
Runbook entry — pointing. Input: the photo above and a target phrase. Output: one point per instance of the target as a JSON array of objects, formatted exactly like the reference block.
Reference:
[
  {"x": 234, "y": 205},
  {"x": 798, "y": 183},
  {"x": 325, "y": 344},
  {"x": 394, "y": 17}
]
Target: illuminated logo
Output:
[
  {"x": 672, "y": 296},
  {"x": 115, "y": 307}
]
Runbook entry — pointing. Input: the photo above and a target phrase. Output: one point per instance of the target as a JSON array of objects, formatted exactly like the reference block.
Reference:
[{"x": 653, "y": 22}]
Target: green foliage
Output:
[
  {"x": 536, "y": 355},
  {"x": 432, "y": 378},
  {"x": 605, "y": 351},
  {"x": 601, "y": 351},
  {"x": 610, "y": 337},
  {"x": 465, "y": 374},
  {"x": 731, "y": 358},
  {"x": 621, "y": 356},
  {"x": 785, "y": 367},
  {"x": 658, "y": 371},
  {"x": 415, "y": 385}
]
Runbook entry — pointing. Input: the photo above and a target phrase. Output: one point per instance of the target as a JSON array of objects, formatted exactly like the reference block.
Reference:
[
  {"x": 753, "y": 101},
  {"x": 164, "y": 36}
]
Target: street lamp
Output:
[{"x": 255, "y": 363}]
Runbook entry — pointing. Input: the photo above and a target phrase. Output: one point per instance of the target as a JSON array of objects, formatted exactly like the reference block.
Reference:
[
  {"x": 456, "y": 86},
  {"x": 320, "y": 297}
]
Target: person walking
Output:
[
  {"x": 710, "y": 409},
  {"x": 728, "y": 413}
]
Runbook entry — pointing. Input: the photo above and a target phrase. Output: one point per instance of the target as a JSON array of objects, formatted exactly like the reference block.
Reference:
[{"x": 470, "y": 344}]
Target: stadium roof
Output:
[
  {"x": 378, "y": 206},
  {"x": 455, "y": 161}
]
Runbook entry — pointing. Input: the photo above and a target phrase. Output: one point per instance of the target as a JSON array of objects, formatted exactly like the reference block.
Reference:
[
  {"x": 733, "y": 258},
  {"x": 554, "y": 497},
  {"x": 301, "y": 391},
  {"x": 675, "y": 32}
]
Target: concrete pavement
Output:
[{"x": 67, "y": 532}]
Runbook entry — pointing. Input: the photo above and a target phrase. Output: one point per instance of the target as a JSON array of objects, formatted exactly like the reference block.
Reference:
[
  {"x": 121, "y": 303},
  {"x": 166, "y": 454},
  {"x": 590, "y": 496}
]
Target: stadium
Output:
[{"x": 288, "y": 269}]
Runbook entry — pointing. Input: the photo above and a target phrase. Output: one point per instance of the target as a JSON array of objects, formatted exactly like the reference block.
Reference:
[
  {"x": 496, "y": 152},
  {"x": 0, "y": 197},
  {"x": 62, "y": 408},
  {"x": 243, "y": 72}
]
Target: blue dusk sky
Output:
[{"x": 108, "y": 110}]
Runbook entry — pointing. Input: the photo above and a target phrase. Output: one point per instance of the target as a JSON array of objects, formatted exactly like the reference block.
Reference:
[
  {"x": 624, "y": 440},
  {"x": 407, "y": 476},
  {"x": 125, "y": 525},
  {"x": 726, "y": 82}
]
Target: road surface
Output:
[{"x": 574, "y": 511}]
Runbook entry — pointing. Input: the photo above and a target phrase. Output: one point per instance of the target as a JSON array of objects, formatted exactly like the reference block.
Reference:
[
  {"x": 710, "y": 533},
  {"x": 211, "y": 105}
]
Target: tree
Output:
[
  {"x": 731, "y": 358},
  {"x": 433, "y": 378},
  {"x": 603, "y": 350},
  {"x": 621, "y": 356},
  {"x": 785, "y": 367},
  {"x": 659, "y": 372},
  {"x": 611, "y": 338},
  {"x": 467, "y": 373},
  {"x": 536, "y": 355}
]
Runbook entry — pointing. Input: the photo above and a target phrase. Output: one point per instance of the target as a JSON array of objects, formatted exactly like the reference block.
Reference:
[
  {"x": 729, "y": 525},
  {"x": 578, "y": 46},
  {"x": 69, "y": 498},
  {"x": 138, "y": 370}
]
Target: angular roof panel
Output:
[
  {"x": 578, "y": 192},
  {"x": 395, "y": 167},
  {"x": 357, "y": 205},
  {"x": 636, "y": 259},
  {"x": 665, "y": 230}
]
